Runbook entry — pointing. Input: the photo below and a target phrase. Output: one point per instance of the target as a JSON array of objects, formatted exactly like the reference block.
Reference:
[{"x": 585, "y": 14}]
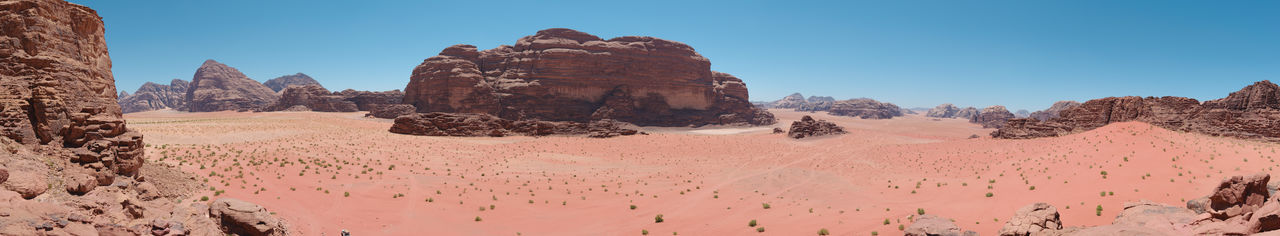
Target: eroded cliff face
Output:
[
  {"x": 153, "y": 96},
  {"x": 218, "y": 87},
  {"x": 1251, "y": 113},
  {"x": 865, "y": 108},
  {"x": 283, "y": 82},
  {"x": 566, "y": 75}
]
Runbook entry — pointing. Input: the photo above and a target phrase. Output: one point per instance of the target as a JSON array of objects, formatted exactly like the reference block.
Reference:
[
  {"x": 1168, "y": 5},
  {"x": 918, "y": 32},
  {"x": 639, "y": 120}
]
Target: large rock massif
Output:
[
  {"x": 313, "y": 97},
  {"x": 153, "y": 96},
  {"x": 566, "y": 75},
  {"x": 865, "y": 108},
  {"x": 798, "y": 102},
  {"x": 946, "y": 110},
  {"x": 1251, "y": 113},
  {"x": 1053, "y": 111},
  {"x": 992, "y": 117},
  {"x": 218, "y": 87},
  {"x": 283, "y": 82},
  {"x": 62, "y": 136}
]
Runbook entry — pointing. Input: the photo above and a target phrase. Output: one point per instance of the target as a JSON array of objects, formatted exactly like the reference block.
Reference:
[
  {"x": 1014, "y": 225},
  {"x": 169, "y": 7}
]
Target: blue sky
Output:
[{"x": 1021, "y": 54}]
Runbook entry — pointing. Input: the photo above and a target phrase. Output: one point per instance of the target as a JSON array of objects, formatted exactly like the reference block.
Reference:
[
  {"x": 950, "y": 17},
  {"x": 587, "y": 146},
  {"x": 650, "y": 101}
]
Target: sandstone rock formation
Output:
[
  {"x": 391, "y": 111},
  {"x": 283, "y": 82},
  {"x": 218, "y": 87},
  {"x": 946, "y": 110},
  {"x": 992, "y": 117},
  {"x": 865, "y": 108},
  {"x": 474, "y": 125},
  {"x": 1053, "y": 111},
  {"x": 314, "y": 98},
  {"x": 566, "y": 75},
  {"x": 244, "y": 218},
  {"x": 368, "y": 101},
  {"x": 1251, "y": 113},
  {"x": 931, "y": 225},
  {"x": 1241, "y": 205},
  {"x": 798, "y": 102},
  {"x": 967, "y": 113},
  {"x": 793, "y": 101},
  {"x": 152, "y": 96},
  {"x": 808, "y": 127}
]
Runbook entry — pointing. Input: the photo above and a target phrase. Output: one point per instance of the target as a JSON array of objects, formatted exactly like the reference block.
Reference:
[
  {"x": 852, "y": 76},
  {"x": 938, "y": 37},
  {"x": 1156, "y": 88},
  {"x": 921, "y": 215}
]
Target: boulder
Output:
[
  {"x": 27, "y": 177},
  {"x": 1034, "y": 219},
  {"x": 566, "y": 75},
  {"x": 809, "y": 127},
  {"x": 245, "y": 218},
  {"x": 865, "y": 108},
  {"x": 218, "y": 87},
  {"x": 1238, "y": 195}
]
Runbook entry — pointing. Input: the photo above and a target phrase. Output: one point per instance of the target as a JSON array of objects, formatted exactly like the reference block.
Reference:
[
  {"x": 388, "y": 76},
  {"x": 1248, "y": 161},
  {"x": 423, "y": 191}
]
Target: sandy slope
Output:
[{"x": 709, "y": 181}]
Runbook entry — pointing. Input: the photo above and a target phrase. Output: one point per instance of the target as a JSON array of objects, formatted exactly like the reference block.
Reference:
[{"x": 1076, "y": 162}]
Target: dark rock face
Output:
[
  {"x": 1053, "y": 111},
  {"x": 283, "y": 82},
  {"x": 475, "y": 125},
  {"x": 1250, "y": 113},
  {"x": 314, "y": 98},
  {"x": 151, "y": 96},
  {"x": 218, "y": 87},
  {"x": 566, "y": 75},
  {"x": 992, "y": 117},
  {"x": 865, "y": 108},
  {"x": 946, "y": 110},
  {"x": 391, "y": 111},
  {"x": 56, "y": 86},
  {"x": 808, "y": 127}
]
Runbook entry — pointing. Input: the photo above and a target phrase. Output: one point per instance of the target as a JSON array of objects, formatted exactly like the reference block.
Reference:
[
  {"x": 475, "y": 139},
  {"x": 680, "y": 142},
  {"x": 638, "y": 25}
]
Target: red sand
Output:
[{"x": 300, "y": 165}]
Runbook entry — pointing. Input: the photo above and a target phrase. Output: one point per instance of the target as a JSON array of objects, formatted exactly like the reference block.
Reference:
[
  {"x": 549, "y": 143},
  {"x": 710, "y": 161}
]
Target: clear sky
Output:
[{"x": 1021, "y": 54}]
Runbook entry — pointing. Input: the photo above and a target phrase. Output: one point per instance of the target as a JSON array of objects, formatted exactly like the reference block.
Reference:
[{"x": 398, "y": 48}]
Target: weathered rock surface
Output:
[
  {"x": 967, "y": 113},
  {"x": 992, "y": 117},
  {"x": 792, "y": 101},
  {"x": 245, "y": 218},
  {"x": 475, "y": 125},
  {"x": 368, "y": 101},
  {"x": 931, "y": 225},
  {"x": 391, "y": 111},
  {"x": 1052, "y": 111},
  {"x": 152, "y": 96},
  {"x": 283, "y": 82},
  {"x": 808, "y": 127},
  {"x": 1240, "y": 205},
  {"x": 865, "y": 108},
  {"x": 218, "y": 87},
  {"x": 946, "y": 110},
  {"x": 1034, "y": 219},
  {"x": 314, "y": 98},
  {"x": 566, "y": 75},
  {"x": 1251, "y": 113}
]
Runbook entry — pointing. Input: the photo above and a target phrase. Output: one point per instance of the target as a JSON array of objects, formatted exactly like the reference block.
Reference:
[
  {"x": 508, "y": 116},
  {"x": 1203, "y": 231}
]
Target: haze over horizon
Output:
[{"x": 1023, "y": 55}]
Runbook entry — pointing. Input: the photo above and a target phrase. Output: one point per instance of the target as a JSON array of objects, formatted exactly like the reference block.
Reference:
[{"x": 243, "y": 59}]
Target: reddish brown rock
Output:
[
  {"x": 566, "y": 75},
  {"x": 865, "y": 108},
  {"x": 1250, "y": 113},
  {"x": 314, "y": 98},
  {"x": 152, "y": 96},
  {"x": 992, "y": 117},
  {"x": 808, "y": 127},
  {"x": 245, "y": 218},
  {"x": 368, "y": 101},
  {"x": 391, "y": 111},
  {"x": 1053, "y": 111},
  {"x": 218, "y": 87},
  {"x": 475, "y": 125},
  {"x": 1034, "y": 219},
  {"x": 283, "y": 82},
  {"x": 1237, "y": 195}
]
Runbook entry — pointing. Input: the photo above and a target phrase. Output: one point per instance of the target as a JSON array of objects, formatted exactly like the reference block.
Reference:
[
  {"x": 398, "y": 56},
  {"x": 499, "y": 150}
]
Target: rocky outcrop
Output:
[
  {"x": 218, "y": 87},
  {"x": 391, "y": 111},
  {"x": 314, "y": 98},
  {"x": 1251, "y": 113},
  {"x": 992, "y": 117},
  {"x": 931, "y": 225},
  {"x": 946, "y": 110},
  {"x": 566, "y": 75},
  {"x": 1053, "y": 111},
  {"x": 865, "y": 108},
  {"x": 967, "y": 113},
  {"x": 808, "y": 127},
  {"x": 476, "y": 125},
  {"x": 793, "y": 101},
  {"x": 798, "y": 102},
  {"x": 245, "y": 218},
  {"x": 368, "y": 101},
  {"x": 283, "y": 82},
  {"x": 1240, "y": 205},
  {"x": 152, "y": 96}
]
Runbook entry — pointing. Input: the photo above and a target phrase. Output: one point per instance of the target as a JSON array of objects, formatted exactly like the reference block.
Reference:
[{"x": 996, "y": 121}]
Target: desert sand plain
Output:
[{"x": 325, "y": 172}]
